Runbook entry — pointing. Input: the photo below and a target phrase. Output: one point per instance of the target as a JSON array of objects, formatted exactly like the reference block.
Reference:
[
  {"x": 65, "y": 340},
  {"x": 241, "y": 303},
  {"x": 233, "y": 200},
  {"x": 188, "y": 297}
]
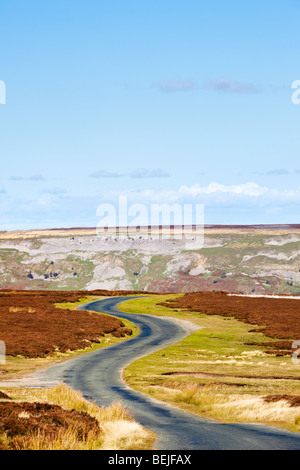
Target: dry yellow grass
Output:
[
  {"x": 66, "y": 440},
  {"x": 119, "y": 429},
  {"x": 210, "y": 401},
  {"x": 121, "y": 432},
  {"x": 218, "y": 372}
]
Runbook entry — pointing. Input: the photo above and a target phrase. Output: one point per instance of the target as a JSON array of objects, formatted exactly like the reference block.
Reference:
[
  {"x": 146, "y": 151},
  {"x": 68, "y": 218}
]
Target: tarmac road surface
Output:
[{"x": 98, "y": 376}]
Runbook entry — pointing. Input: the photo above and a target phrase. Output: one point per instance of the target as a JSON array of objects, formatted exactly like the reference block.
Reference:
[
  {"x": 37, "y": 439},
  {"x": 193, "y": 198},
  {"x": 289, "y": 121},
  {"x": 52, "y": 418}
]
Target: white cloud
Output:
[
  {"x": 174, "y": 86},
  {"x": 278, "y": 172},
  {"x": 137, "y": 173},
  {"x": 224, "y": 85},
  {"x": 28, "y": 178},
  {"x": 247, "y": 203},
  {"x": 54, "y": 191},
  {"x": 248, "y": 189},
  {"x": 213, "y": 195},
  {"x": 105, "y": 174},
  {"x": 143, "y": 173}
]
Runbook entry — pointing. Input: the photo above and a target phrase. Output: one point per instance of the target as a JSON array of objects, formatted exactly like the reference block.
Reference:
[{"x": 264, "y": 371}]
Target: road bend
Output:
[{"x": 98, "y": 376}]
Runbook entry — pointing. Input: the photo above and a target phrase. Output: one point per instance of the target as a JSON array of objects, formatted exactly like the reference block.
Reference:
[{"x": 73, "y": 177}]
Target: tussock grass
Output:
[
  {"x": 121, "y": 431},
  {"x": 234, "y": 408},
  {"x": 65, "y": 440},
  {"x": 117, "y": 428},
  {"x": 126, "y": 435},
  {"x": 219, "y": 372}
]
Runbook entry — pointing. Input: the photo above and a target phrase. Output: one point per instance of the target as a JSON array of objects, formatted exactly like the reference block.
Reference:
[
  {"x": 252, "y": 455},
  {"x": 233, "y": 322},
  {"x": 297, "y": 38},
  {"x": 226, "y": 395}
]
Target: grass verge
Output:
[
  {"x": 46, "y": 426},
  {"x": 213, "y": 373}
]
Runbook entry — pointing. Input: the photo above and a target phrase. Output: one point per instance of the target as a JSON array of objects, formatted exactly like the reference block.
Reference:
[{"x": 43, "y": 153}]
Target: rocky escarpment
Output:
[{"x": 237, "y": 259}]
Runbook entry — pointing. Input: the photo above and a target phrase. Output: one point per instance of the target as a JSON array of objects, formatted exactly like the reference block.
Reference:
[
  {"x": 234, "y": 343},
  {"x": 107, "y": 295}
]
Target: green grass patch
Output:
[{"x": 217, "y": 375}]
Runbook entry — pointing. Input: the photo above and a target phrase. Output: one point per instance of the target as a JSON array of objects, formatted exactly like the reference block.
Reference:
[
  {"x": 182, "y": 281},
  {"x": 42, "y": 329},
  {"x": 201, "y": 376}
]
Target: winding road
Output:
[{"x": 98, "y": 376}]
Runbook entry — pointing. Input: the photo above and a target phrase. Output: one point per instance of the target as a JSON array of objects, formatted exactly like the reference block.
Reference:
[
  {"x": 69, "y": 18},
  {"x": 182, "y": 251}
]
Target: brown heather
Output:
[
  {"x": 32, "y": 326},
  {"x": 277, "y": 318}
]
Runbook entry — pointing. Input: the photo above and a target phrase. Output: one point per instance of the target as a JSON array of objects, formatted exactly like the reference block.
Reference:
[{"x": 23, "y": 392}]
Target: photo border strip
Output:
[{"x": 2, "y": 92}]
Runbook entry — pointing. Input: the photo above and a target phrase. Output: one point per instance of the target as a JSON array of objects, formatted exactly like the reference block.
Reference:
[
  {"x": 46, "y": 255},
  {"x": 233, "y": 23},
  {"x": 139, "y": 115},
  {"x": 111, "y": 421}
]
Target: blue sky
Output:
[{"x": 169, "y": 101}]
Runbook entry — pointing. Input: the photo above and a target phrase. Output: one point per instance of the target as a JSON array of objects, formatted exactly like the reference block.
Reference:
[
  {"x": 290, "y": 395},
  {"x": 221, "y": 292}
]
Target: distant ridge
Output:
[
  {"x": 158, "y": 229},
  {"x": 256, "y": 259},
  {"x": 207, "y": 226},
  {"x": 261, "y": 226}
]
